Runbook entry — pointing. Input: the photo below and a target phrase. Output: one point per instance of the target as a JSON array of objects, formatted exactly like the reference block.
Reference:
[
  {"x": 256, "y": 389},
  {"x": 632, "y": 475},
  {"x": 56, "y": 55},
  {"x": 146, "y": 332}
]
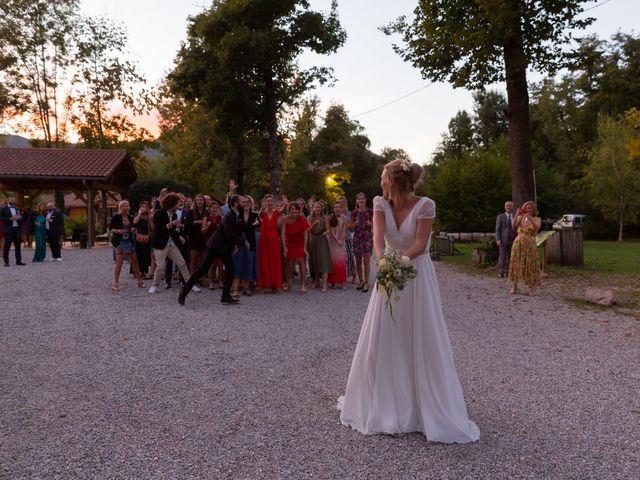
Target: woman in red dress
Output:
[
  {"x": 295, "y": 230},
  {"x": 337, "y": 233},
  {"x": 269, "y": 259}
]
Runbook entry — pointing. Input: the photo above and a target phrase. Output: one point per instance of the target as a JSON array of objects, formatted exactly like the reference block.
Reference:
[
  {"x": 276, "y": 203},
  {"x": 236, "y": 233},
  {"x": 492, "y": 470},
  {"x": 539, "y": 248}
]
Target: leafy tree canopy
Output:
[{"x": 462, "y": 42}]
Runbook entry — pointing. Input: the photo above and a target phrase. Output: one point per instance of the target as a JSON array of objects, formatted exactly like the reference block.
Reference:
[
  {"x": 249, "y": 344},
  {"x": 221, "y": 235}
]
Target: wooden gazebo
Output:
[{"x": 79, "y": 170}]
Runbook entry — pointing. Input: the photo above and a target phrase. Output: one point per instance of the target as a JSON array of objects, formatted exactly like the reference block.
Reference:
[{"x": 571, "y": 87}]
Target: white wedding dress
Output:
[{"x": 403, "y": 378}]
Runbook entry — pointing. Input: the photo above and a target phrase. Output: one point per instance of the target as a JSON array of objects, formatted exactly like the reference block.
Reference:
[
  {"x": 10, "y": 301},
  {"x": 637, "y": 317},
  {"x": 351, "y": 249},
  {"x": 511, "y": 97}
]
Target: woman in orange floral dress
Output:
[{"x": 525, "y": 263}]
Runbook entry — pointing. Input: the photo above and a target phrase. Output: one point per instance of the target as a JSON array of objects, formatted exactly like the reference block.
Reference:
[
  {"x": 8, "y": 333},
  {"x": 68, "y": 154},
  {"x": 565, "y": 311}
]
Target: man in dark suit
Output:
[
  {"x": 222, "y": 244},
  {"x": 504, "y": 238},
  {"x": 12, "y": 219},
  {"x": 54, "y": 225}
]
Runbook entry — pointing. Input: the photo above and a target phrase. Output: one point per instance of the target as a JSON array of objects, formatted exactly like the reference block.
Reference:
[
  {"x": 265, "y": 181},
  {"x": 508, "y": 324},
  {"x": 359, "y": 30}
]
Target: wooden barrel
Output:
[
  {"x": 553, "y": 250},
  {"x": 572, "y": 247},
  {"x": 441, "y": 246}
]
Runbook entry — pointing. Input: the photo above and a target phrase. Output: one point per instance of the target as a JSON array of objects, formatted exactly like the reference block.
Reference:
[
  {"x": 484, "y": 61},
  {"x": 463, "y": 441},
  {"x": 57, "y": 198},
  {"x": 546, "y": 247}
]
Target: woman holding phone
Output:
[{"x": 524, "y": 263}]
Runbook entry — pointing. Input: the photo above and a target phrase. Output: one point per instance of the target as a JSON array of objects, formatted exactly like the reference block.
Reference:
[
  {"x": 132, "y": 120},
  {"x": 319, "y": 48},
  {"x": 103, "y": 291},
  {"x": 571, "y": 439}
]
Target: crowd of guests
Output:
[
  {"x": 44, "y": 224},
  {"x": 241, "y": 247}
]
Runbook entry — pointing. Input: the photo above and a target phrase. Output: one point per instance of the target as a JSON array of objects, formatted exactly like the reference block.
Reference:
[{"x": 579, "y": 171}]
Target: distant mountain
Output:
[{"x": 14, "y": 141}]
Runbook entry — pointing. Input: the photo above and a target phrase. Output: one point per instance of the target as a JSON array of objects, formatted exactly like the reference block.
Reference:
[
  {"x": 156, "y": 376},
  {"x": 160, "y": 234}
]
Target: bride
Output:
[{"x": 402, "y": 377}]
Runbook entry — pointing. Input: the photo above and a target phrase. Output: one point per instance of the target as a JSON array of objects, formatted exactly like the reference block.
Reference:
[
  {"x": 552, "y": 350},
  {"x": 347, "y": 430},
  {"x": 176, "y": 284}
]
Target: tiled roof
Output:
[{"x": 52, "y": 162}]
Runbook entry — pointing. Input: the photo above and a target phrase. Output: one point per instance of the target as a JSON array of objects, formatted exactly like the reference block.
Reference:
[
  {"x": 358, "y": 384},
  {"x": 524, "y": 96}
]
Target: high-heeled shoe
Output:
[
  {"x": 361, "y": 286},
  {"x": 365, "y": 288},
  {"x": 116, "y": 287}
]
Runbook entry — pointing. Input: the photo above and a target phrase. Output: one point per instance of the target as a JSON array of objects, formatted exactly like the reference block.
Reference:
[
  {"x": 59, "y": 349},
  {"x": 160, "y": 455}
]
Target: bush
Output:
[{"x": 147, "y": 188}]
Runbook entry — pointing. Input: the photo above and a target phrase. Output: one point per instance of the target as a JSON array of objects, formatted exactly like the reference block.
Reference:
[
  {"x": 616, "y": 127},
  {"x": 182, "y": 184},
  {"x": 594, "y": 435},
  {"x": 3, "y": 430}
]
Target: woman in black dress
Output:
[
  {"x": 122, "y": 239},
  {"x": 195, "y": 219},
  {"x": 142, "y": 223}
]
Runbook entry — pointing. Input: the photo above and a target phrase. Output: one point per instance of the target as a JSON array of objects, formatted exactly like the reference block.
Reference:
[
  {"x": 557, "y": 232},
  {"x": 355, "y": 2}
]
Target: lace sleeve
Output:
[
  {"x": 427, "y": 209},
  {"x": 378, "y": 204}
]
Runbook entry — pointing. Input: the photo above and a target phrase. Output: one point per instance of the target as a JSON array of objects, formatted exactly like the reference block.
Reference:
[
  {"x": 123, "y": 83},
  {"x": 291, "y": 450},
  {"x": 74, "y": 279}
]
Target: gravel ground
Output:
[{"x": 102, "y": 385}]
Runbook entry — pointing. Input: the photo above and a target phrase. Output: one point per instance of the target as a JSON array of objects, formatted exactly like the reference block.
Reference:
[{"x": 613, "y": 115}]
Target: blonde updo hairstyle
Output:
[{"x": 406, "y": 175}]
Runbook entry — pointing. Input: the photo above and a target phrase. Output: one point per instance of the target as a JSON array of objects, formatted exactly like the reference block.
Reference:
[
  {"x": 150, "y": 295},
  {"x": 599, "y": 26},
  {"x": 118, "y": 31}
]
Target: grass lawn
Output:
[
  {"x": 600, "y": 257},
  {"x": 608, "y": 265}
]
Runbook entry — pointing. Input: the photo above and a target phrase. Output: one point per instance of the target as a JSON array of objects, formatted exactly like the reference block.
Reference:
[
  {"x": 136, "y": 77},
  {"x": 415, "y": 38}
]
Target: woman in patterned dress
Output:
[
  {"x": 362, "y": 224},
  {"x": 525, "y": 263},
  {"x": 121, "y": 229},
  {"x": 348, "y": 241}
]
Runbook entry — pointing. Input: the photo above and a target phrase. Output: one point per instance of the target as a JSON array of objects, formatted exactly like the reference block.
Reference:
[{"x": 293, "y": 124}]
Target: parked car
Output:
[{"x": 570, "y": 220}]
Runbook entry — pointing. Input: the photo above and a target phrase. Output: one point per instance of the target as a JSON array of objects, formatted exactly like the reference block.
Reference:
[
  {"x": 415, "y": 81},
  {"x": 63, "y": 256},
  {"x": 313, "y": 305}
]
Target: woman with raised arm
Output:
[
  {"x": 525, "y": 263},
  {"x": 403, "y": 377}
]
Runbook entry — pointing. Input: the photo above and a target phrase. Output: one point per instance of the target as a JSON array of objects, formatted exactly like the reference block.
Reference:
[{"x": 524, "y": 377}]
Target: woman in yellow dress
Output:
[{"x": 525, "y": 263}]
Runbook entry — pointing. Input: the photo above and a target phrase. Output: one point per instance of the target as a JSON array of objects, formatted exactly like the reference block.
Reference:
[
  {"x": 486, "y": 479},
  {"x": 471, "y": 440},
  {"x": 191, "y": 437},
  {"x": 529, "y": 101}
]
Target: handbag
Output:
[{"x": 143, "y": 238}]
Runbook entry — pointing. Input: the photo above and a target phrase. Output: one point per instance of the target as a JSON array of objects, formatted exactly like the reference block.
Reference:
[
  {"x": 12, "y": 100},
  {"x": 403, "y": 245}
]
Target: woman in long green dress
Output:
[{"x": 39, "y": 233}]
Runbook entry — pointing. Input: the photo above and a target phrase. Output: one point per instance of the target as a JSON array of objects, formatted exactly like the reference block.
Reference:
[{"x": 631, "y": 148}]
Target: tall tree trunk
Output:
[
  {"x": 620, "y": 226},
  {"x": 275, "y": 160},
  {"x": 237, "y": 165},
  {"x": 522, "y": 184},
  {"x": 274, "y": 156}
]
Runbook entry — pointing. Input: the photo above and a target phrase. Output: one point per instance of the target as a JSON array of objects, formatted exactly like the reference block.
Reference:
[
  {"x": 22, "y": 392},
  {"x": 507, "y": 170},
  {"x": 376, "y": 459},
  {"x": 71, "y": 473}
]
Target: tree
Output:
[
  {"x": 457, "y": 140},
  {"x": 613, "y": 174},
  {"x": 473, "y": 43},
  {"x": 35, "y": 39},
  {"x": 342, "y": 146},
  {"x": 240, "y": 61},
  {"x": 301, "y": 175},
  {"x": 103, "y": 78},
  {"x": 489, "y": 119}
]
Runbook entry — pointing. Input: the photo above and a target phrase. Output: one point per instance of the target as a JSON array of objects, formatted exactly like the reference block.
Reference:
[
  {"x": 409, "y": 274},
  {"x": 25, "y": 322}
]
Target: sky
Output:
[{"x": 369, "y": 73}]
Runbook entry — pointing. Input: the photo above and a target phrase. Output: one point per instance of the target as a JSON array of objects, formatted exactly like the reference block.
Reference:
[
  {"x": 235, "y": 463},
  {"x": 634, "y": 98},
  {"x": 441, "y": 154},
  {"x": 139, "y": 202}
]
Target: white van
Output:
[{"x": 570, "y": 220}]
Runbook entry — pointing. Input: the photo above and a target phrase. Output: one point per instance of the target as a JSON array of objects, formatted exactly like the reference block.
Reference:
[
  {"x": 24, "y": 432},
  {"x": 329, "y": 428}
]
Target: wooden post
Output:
[
  {"x": 20, "y": 199},
  {"x": 90, "y": 215},
  {"x": 104, "y": 211}
]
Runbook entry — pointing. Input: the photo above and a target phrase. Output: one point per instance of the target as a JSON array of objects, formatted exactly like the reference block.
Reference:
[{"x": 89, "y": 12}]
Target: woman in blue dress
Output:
[
  {"x": 40, "y": 233},
  {"x": 245, "y": 258}
]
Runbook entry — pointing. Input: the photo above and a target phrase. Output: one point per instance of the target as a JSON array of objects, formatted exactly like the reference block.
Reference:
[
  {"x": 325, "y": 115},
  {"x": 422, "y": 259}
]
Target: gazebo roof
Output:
[{"x": 65, "y": 169}]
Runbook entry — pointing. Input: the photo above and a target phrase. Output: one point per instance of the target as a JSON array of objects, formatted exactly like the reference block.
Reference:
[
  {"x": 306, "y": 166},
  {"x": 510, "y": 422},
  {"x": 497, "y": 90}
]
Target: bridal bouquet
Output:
[{"x": 394, "y": 271}]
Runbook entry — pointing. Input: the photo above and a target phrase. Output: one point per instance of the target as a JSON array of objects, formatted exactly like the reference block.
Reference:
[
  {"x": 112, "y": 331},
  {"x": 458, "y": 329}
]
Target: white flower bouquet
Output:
[{"x": 394, "y": 271}]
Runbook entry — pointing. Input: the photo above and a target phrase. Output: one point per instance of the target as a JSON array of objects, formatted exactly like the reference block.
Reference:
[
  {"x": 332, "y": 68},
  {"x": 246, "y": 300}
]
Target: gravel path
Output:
[{"x": 95, "y": 384}]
